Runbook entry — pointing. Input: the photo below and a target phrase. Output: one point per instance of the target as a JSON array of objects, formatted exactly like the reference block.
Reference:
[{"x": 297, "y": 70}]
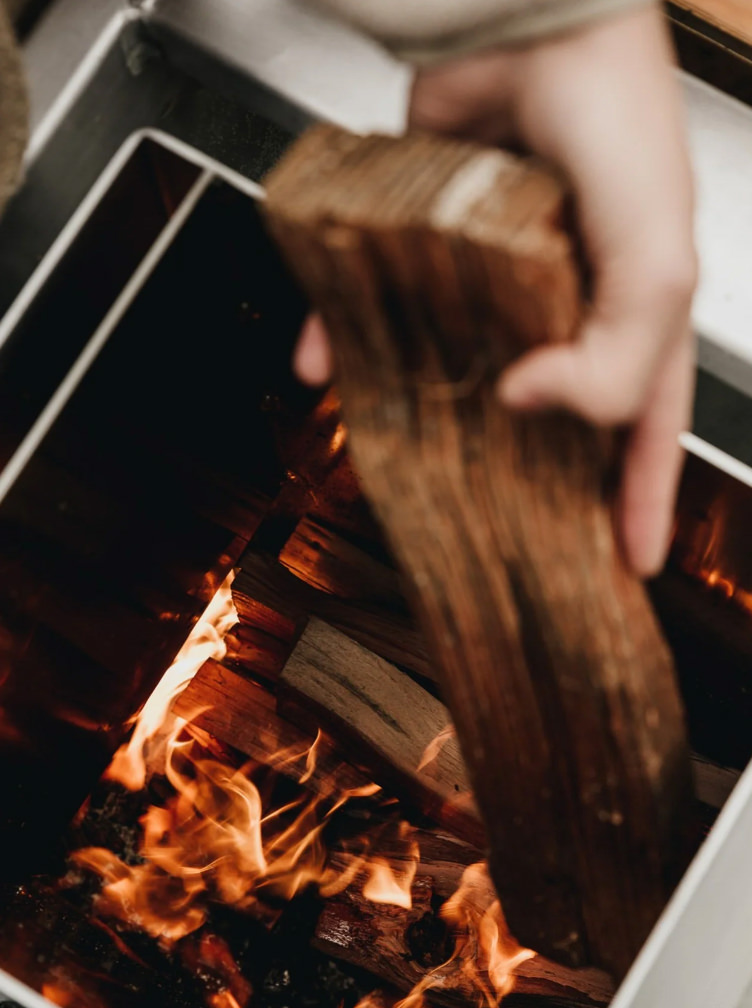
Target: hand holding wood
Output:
[{"x": 434, "y": 264}]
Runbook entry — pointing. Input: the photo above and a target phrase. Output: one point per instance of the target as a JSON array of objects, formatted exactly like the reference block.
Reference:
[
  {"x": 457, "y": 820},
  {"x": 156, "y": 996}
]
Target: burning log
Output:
[
  {"x": 261, "y": 641},
  {"x": 322, "y": 558},
  {"x": 411, "y": 948},
  {"x": 398, "y": 945},
  {"x": 242, "y": 714},
  {"x": 435, "y": 264},
  {"x": 369, "y": 703}
]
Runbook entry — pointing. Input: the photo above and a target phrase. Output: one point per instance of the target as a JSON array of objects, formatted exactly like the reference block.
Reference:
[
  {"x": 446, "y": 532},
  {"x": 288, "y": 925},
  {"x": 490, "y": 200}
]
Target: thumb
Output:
[
  {"x": 603, "y": 377},
  {"x": 312, "y": 360}
]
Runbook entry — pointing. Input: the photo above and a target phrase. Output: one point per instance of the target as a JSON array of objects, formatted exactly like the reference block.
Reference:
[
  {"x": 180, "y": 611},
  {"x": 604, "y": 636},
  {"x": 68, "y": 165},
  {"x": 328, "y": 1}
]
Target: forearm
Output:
[{"x": 432, "y": 31}]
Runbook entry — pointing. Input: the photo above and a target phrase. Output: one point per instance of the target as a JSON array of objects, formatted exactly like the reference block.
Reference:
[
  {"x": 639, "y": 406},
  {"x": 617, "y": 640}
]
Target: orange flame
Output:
[
  {"x": 485, "y": 954},
  {"x": 483, "y": 931},
  {"x": 206, "y": 640},
  {"x": 385, "y": 884},
  {"x": 213, "y": 841},
  {"x": 704, "y": 555}
]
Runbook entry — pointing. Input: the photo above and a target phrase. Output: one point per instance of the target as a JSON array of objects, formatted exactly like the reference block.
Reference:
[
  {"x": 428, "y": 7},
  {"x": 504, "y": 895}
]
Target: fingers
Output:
[
  {"x": 468, "y": 98},
  {"x": 626, "y": 156},
  {"x": 587, "y": 379},
  {"x": 652, "y": 465},
  {"x": 608, "y": 375},
  {"x": 601, "y": 378},
  {"x": 635, "y": 369},
  {"x": 312, "y": 360}
]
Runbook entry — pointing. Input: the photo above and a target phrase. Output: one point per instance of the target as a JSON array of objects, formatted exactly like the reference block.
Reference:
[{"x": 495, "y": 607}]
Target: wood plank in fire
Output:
[
  {"x": 364, "y": 700},
  {"x": 402, "y": 946},
  {"x": 731, "y": 16}
]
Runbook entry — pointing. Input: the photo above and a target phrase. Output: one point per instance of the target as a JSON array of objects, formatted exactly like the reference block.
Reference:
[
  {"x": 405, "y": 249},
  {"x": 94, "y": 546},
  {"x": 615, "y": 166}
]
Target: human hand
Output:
[{"x": 603, "y": 103}]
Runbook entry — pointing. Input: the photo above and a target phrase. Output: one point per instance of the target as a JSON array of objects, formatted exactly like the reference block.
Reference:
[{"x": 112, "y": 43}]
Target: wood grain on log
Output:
[
  {"x": 261, "y": 641},
  {"x": 242, "y": 714},
  {"x": 732, "y": 16},
  {"x": 325, "y": 560},
  {"x": 434, "y": 264},
  {"x": 363, "y": 700},
  {"x": 403, "y": 946}
]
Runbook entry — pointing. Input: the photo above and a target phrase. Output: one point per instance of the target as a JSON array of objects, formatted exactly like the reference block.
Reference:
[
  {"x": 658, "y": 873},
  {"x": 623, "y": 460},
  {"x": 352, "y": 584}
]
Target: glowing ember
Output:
[
  {"x": 223, "y": 999},
  {"x": 59, "y": 995}
]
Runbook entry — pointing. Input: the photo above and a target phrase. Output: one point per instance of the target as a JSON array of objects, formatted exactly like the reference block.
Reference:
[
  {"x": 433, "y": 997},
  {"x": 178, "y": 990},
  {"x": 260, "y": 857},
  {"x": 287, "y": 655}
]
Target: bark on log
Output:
[
  {"x": 434, "y": 264},
  {"x": 402, "y": 947}
]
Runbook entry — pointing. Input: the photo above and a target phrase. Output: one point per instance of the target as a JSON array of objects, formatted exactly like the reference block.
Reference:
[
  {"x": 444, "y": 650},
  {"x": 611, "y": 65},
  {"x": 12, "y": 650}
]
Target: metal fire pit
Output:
[{"x": 150, "y": 120}]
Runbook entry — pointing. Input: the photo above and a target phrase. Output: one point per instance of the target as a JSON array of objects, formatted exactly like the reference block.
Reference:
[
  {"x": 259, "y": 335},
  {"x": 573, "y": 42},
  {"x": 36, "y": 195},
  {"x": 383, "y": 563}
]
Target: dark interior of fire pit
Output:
[
  {"x": 189, "y": 449},
  {"x": 148, "y": 486}
]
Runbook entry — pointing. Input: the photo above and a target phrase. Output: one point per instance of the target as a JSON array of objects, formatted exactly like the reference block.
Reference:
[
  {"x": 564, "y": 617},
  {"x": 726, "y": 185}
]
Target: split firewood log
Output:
[{"x": 434, "y": 264}]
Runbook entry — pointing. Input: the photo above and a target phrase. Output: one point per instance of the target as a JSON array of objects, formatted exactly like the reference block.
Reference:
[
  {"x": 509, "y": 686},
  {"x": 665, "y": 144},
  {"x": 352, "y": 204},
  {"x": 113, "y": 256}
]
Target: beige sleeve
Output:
[
  {"x": 13, "y": 110},
  {"x": 428, "y": 31}
]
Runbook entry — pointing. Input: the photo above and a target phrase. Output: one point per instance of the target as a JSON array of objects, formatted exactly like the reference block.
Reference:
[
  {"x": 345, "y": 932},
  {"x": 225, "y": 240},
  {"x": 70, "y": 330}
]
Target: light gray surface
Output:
[
  {"x": 61, "y": 46},
  {"x": 317, "y": 63},
  {"x": 746, "y": 1001},
  {"x": 721, "y": 138},
  {"x": 699, "y": 953}
]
